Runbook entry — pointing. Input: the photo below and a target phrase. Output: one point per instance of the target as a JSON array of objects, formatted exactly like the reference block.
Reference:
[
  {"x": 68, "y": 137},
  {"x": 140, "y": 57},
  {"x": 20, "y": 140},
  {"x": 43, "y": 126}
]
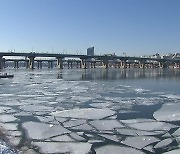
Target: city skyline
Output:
[{"x": 138, "y": 27}]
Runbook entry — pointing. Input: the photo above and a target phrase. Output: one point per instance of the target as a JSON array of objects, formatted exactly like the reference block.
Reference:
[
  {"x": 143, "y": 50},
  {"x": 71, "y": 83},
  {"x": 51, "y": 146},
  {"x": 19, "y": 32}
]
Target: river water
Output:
[{"x": 94, "y": 110}]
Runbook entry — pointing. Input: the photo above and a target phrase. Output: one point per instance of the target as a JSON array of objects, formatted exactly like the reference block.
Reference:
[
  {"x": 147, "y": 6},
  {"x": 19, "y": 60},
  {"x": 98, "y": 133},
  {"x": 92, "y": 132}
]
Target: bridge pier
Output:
[
  {"x": 142, "y": 64},
  {"x": 123, "y": 64},
  {"x": 16, "y": 64},
  {"x": 162, "y": 65},
  {"x": 2, "y": 62},
  {"x": 94, "y": 64},
  {"x": 177, "y": 65},
  {"x": 39, "y": 62},
  {"x": 71, "y": 64},
  {"x": 83, "y": 64},
  {"x": 68, "y": 64},
  {"x": 31, "y": 62},
  {"x": 78, "y": 64},
  {"x": 106, "y": 63},
  {"x": 50, "y": 64},
  {"x": 59, "y": 62}
]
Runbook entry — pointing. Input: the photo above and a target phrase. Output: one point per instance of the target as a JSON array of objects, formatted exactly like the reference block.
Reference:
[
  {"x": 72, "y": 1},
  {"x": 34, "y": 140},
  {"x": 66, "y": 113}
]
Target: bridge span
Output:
[{"x": 84, "y": 61}]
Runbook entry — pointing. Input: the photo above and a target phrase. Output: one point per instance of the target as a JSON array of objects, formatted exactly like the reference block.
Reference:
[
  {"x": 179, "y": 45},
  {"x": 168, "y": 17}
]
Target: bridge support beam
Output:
[
  {"x": 31, "y": 62},
  {"x": 59, "y": 63}
]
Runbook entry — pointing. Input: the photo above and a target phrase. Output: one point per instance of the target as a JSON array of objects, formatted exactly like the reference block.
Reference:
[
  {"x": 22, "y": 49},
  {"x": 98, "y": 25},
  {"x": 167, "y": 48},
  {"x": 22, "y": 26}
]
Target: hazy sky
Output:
[{"x": 134, "y": 27}]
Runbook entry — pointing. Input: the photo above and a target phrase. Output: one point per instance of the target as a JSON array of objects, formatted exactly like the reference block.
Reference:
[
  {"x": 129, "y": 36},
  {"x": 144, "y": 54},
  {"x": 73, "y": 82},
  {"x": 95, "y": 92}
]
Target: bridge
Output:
[{"x": 105, "y": 61}]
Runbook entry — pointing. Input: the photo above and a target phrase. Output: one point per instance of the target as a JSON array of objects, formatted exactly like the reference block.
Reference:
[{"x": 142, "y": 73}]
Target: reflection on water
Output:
[{"x": 114, "y": 74}]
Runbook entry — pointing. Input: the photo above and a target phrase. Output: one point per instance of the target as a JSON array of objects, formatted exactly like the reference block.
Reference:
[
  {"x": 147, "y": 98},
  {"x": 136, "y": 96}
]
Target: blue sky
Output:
[{"x": 134, "y": 27}]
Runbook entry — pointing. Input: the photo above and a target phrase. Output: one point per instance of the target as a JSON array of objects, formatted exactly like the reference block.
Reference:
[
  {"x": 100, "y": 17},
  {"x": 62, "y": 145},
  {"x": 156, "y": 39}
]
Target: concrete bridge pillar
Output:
[
  {"x": 177, "y": 65},
  {"x": 106, "y": 63},
  {"x": 16, "y": 64},
  {"x": 68, "y": 64},
  {"x": 59, "y": 63},
  {"x": 94, "y": 64},
  {"x": 71, "y": 64},
  {"x": 162, "y": 65},
  {"x": 142, "y": 64},
  {"x": 77, "y": 64},
  {"x": 39, "y": 64},
  {"x": 83, "y": 64},
  {"x": 31, "y": 62},
  {"x": 1, "y": 62},
  {"x": 50, "y": 64},
  {"x": 123, "y": 64}
]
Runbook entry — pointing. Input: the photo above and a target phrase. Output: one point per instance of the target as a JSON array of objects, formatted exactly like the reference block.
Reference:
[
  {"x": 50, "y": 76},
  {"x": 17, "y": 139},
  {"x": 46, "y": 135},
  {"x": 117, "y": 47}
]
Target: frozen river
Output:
[{"x": 92, "y": 111}]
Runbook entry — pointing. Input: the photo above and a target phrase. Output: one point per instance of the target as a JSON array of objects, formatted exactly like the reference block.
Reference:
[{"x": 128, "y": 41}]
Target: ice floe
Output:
[
  {"x": 116, "y": 149},
  {"x": 7, "y": 118},
  {"x": 106, "y": 124},
  {"x": 177, "y": 132},
  {"x": 36, "y": 108},
  {"x": 73, "y": 123},
  {"x": 177, "y": 151},
  {"x": 73, "y": 148},
  {"x": 140, "y": 142},
  {"x": 135, "y": 132},
  {"x": 152, "y": 126},
  {"x": 83, "y": 127},
  {"x": 9, "y": 126},
  {"x": 164, "y": 143},
  {"x": 85, "y": 113},
  {"x": 168, "y": 112},
  {"x": 36, "y": 130}
]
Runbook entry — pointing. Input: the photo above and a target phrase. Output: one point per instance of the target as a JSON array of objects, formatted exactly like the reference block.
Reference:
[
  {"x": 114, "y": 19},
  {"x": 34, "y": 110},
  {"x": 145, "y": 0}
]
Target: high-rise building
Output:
[{"x": 90, "y": 51}]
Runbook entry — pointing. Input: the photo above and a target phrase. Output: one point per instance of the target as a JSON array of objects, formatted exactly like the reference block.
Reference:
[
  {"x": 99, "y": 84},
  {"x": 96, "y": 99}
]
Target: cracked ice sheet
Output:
[
  {"x": 177, "y": 151},
  {"x": 164, "y": 143},
  {"x": 12, "y": 102},
  {"x": 7, "y": 118},
  {"x": 73, "y": 137},
  {"x": 36, "y": 130},
  {"x": 9, "y": 126},
  {"x": 139, "y": 142},
  {"x": 177, "y": 132},
  {"x": 106, "y": 124},
  {"x": 73, "y": 148},
  {"x": 88, "y": 113},
  {"x": 73, "y": 123},
  {"x": 152, "y": 126},
  {"x": 114, "y": 149},
  {"x": 81, "y": 98},
  {"x": 136, "y": 121},
  {"x": 36, "y": 108},
  {"x": 134, "y": 132},
  {"x": 168, "y": 112}
]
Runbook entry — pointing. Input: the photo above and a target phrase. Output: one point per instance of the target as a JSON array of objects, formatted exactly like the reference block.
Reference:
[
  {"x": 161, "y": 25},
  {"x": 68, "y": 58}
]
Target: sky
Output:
[{"x": 131, "y": 27}]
